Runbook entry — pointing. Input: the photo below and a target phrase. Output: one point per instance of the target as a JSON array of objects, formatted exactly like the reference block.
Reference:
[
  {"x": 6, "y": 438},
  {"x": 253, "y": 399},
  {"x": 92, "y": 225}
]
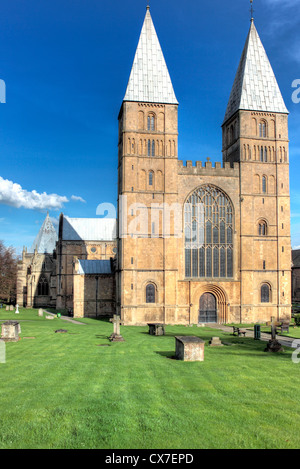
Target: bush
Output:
[{"x": 297, "y": 319}]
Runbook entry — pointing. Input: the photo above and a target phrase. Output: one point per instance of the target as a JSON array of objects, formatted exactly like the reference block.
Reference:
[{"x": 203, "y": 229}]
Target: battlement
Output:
[{"x": 208, "y": 169}]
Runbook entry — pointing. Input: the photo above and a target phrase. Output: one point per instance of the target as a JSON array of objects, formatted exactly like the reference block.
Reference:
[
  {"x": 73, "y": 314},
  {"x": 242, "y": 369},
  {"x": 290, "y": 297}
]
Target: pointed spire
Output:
[
  {"x": 45, "y": 241},
  {"x": 149, "y": 78},
  {"x": 255, "y": 87}
]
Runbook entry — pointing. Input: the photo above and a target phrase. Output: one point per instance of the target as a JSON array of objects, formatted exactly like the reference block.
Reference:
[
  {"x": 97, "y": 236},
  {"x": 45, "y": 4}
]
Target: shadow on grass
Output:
[{"x": 169, "y": 355}]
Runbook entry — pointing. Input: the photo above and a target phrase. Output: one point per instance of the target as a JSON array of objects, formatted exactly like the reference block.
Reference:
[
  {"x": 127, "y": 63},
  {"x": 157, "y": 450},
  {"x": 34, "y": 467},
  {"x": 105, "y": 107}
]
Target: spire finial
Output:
[
  {"x": 148, "y": 7},
  {"x": 251, "y": 11}
]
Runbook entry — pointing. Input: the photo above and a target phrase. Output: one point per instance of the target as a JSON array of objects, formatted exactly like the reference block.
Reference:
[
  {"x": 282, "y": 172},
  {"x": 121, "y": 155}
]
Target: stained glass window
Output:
[{"x": 208, "y": 218}]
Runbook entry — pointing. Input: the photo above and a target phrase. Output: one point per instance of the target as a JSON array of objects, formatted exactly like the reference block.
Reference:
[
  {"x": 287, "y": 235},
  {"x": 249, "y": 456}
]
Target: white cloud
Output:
[
  {"x": 13, "y": 194},
  {"x": 77, "y": 199},
  {"x": 55, "y": 221}
]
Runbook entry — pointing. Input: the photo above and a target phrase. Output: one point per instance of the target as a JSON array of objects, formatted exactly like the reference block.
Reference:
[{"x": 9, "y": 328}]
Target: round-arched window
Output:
[
  {"x": 150, "y": 293},
  {"x": 208, "y": 225}
]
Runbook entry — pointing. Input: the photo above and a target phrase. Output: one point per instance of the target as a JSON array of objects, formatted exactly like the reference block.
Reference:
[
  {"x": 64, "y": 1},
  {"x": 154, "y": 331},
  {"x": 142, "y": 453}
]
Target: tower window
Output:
[
  {"x": 151, "y": 148},
  {"x": 261, "y": 154},
  {"x": 150, "y": 178},
  {"x": 151, "y": 123},
  {"x": 262, "y": 228},
  {"x": 263, "y": 129},
  {"x": 264, "y": 184},
  {"x": 265, "y": 293},
  {"x": 150, "y": 293}
]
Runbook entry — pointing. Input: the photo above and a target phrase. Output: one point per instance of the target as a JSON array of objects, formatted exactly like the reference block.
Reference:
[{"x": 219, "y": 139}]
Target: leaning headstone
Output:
[
  {"x": 215, "y": 342},
  {"x": 116, "y": 336},
  {"x": 49, "y": 317},
  {"x": 41, "y": 312},
  {"x": 10, "y": 331},
  {"x": 17, "y": 309},
  {"x": 189, "y": 348}
]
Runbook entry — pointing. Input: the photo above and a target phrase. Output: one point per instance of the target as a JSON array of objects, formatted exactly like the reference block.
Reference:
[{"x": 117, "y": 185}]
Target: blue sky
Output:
[{"x": 66, "y": 66}]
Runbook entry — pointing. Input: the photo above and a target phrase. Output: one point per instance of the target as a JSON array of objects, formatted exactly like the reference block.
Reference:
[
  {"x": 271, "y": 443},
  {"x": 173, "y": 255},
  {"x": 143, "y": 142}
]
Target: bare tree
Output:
[{"x": 8, "y": 274}]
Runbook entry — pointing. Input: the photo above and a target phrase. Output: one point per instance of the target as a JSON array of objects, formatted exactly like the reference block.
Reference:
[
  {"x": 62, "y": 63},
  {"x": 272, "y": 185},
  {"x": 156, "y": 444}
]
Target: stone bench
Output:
[
  {"x": 189, "y": 348},
  {"x": 238, "y": 331}
]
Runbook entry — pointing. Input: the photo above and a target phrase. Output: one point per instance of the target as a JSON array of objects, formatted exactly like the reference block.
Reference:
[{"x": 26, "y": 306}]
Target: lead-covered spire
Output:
[
  {"x": 255, "y": 87},
  {"x": 45, "y": 241},
  {"x": 149, "y": 78}
]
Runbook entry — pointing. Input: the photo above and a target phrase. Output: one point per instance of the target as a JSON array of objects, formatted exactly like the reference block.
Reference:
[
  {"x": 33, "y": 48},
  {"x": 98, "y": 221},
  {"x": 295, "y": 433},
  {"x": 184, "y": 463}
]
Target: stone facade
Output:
[
  {"x": 239, "y": 270},
  {"x": 36, "y": 280},
  {"x": 93, "y": 294}
]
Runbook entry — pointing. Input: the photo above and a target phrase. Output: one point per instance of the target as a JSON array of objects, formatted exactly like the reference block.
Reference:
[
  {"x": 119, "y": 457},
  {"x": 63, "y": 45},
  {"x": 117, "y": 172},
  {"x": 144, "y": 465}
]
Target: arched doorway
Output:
[{"x": 208, "y": 308}]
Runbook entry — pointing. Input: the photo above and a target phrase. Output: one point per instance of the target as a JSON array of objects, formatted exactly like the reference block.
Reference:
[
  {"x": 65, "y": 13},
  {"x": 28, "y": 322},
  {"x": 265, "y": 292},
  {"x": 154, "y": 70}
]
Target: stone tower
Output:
[
  {"x": 255, "y": 134},
  {"x": 147, "y": 179}
]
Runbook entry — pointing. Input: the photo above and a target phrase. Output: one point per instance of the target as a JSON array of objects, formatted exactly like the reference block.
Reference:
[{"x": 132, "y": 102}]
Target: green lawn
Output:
[{"x": 67, "y": 391}]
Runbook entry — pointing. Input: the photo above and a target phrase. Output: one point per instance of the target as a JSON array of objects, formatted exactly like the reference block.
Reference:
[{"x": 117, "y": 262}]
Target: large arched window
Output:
[
  {"x": 150, "y": 293},
  {"x": 43, "y": 287},
  {"x": 208, "y": 228}
]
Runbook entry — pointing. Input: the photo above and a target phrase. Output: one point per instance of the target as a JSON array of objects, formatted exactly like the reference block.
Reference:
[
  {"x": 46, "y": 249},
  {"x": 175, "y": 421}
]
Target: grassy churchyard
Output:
[{"x": 78, "y": 390}]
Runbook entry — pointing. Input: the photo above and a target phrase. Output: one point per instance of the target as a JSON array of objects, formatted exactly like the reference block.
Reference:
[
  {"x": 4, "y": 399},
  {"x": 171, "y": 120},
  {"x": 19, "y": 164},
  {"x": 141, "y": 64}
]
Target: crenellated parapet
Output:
[{"x": 198, "y": 169}]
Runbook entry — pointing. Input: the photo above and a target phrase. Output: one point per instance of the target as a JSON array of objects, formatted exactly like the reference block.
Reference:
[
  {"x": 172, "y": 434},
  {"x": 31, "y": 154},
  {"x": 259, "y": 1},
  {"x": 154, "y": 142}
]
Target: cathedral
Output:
[{"x": 193, "y": 243}]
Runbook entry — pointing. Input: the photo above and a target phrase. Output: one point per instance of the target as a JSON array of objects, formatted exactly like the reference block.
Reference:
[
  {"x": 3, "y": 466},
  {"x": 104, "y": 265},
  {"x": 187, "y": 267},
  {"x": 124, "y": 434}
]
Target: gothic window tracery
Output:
[
  {"x": 209, "y": 226},
  {"x": 43, "y": 286}
]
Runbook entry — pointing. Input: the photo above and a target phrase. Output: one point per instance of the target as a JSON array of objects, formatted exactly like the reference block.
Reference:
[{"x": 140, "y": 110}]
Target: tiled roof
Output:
[
  {"x": 45, "y": 241},
  {"x": 149, "y": 79},
  {"x": 89, "y": 229},
  {"x": 94, "y": 267},
  {"x": 255, "y": 87},
  {"x": 296, "y": 257}
]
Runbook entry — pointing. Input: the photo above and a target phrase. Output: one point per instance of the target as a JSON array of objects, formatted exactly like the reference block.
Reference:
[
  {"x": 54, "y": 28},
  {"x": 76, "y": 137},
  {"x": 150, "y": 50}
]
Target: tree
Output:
[{"x": 8, "y": 274}]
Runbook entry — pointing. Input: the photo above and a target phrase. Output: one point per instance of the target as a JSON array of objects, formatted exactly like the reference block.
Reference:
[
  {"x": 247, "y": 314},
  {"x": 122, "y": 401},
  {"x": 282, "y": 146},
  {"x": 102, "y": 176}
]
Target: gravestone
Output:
[
  {"x": 189, "y": 348},
  {"x": 41, "y": 312},
  {"x": 116, "y": 335},
  {"x": 7, "y": 308},
  {"x": 156, "y": 329},
  {"x": 49, "y": 317},
  {"x": 17, "y": 309},
  {"x": 10, "y": 331},
  {"x": 215, "y": 342},
  {"x": 273, "y": 345},
  {"x": 11, "y": 308}
]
